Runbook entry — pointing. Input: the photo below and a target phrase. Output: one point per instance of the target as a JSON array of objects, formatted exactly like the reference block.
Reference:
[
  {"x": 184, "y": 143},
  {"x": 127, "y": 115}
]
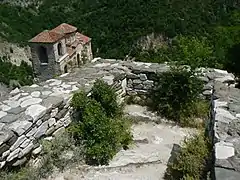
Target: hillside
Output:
[{"x": 116, "y": 25}]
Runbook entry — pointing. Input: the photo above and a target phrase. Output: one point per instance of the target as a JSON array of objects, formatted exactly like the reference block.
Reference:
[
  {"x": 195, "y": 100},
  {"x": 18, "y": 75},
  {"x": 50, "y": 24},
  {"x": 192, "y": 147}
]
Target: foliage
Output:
[
  {"x": 97, "y": 126},
  {"x": 107, "y": 97},
  {"x": 191, "y": 161},
  {"x": 23, "y": 73},
  {"x": 116, "y": 24},
  {"x": 176, "y": 92},
  {"x": 52, "y": 156}
]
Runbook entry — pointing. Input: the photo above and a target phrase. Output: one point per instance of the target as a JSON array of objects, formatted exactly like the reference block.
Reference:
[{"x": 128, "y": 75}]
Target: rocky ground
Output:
[{"x": 146, "y": 159}]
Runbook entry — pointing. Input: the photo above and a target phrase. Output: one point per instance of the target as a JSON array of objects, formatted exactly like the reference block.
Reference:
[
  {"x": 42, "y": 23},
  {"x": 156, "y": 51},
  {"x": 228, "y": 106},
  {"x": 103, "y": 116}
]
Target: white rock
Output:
[
  {"x": 37, "y": 150},
  {"x": 72, "y": 83},
  {"x": 63, "y": 75},
  {"x": 55, "y": 82},
  {"x": 5, "y": 107},
  {"x": 218, "y": 103},
  {"x": 46, "y": 93},
  {"x": 36, "y": 111},
  {"x": 35, "y": 94},
  {"x": 15, "y": 91},
  {"x": 49, "y": 138},
  {"x": 39, "y": 122},
  {"x": 25, "y": 143},
  {"x": 13, "y": 155},
  {"x": 223, "y": 115},
  {"x": 24, "y": 94},
  {"x": 108, "y": 79},
  {"x": 12, "y": 104},
  {"x": 102, "y": 65},
  {"x": 29, "y": 102},
  {"x": 224, "y": 150},
  {"x": 2, "y": 114},
  {"x": 51, "y": 122},
  {"x": 26, "y": 150},
  {"x": 34, "y": 86},
  {"x": 16, "y": 97},
  {"x": 41, "y": 130},
  {"x": 6, "y": 153},
  {"x": 24, "y": 98},
  {"x": 238, "y": 115},
  {"x": 58, "y": 132},
  {"x": 2, "y": 164},
  {"x": 32, "y": 132},
  {"x": 75, "y": 88},
  {"x": 54, "y": 112},
  {"x": 1, "y": 126},
  {"x": 20, "y": 126},
  {"x": 19, "y": 141},
  {"x": 220, "y": 71},
  {"x": 225, "y": 79}
]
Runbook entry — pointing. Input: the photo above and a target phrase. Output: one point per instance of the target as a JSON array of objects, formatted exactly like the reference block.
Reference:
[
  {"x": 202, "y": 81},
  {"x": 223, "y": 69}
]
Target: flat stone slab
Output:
[
  {"x": 225, "y": 174},
  {"x": 36, "y": 111}
]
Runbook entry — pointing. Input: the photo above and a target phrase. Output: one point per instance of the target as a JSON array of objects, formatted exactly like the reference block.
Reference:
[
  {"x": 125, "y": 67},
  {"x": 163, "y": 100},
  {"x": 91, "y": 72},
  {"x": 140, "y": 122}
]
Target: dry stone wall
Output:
[{"x": 34, "y": 112}]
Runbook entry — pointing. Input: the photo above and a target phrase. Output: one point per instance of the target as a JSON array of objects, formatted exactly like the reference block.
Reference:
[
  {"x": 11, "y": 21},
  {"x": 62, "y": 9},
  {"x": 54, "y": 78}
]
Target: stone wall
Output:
[{"x": 38, "y": 111}]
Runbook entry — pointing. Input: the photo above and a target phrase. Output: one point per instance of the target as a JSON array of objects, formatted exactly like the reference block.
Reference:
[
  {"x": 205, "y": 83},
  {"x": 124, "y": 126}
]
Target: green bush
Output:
[
  {"x": 192, "y": 160},
  {"x": 8, "y": 71},
  {"x": 99, "y": 125},
  {"x": 176, "y": 93},
  {"x": 107, "y": 97}
]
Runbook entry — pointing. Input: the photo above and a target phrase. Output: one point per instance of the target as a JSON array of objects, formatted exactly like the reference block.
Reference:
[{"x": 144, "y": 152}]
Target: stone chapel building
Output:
[{"x": 57, "y": 51}]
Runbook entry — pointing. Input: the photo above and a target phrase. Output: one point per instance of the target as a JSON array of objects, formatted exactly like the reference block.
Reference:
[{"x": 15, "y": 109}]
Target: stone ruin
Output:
[{"x": 42, "y": 110}]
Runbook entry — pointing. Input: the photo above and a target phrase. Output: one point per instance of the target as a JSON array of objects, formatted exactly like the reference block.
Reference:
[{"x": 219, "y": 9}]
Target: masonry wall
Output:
[{"x": 38, "y": 111}]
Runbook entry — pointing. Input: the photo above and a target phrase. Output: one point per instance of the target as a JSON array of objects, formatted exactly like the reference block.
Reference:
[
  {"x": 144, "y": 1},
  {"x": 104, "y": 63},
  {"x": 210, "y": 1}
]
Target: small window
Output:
[
  {"x": 11, "y": 50},
  {"x": 65, "y": 69},
  {"x": 59, "y": 47}
]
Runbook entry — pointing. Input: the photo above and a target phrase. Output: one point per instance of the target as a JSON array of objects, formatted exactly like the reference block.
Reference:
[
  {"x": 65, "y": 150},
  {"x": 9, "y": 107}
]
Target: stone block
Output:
[
  {"x": 143, "y": 77},
  {"x": 31, "y": 101},
  {"x": 19, "y": 141},
  {"x": 13, "y": 155},
  {"x": 3, "y": 148},
  {"x": 37, "y": 150},
  {"x": 41, "y": 130},
  {"x": 26, "y": 150},
  {"x": 5, "y": 154},
  {"x": 51, "y": 122},
  {"x": 32, "y": 132},
  {"x": 20, "y": 162},
  {"x": 5, "y": 135},
  {"x": 58, "y": 132},
  {"x": 20, "y": 126},
  {"x": 54, "y": 112},
  {"x": 36, "y": 111},
  {"x": 224, "y": 150}
]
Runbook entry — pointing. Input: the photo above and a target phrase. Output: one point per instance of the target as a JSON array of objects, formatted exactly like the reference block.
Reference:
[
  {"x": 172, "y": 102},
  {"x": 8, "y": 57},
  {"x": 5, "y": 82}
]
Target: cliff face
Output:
[{"x": 15, "y": 53}]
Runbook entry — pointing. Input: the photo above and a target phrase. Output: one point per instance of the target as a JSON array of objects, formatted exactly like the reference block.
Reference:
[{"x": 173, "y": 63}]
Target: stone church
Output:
[{"x": 57, "y": 51}]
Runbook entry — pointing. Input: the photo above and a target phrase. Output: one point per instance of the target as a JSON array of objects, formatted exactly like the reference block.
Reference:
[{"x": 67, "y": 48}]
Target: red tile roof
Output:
[
  {"x": 82, "y": 38},
  {"x": 64, "y": 29},
  {"x": 47, "y": 37},
  {"x": 58, "y": 33}
]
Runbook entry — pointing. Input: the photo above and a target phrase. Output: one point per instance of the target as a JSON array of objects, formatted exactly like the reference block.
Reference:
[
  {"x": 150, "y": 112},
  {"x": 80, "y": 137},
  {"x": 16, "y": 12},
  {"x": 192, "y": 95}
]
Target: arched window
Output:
[
  {"x": 59, "y": 47},
  {"x": 43, "y": 56}
]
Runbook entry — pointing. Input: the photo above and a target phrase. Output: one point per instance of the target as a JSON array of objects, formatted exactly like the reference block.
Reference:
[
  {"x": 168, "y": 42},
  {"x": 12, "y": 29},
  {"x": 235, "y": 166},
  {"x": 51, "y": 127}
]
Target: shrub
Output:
[
  {"x": 106, "y": 96},
  {"x": 192, "y": 51},
  {"x": 176, "y": 92},
  {"x": 101, "y": 134},
  {"x": 191, "y": 162},
  {"x": 8, "y": 71}
]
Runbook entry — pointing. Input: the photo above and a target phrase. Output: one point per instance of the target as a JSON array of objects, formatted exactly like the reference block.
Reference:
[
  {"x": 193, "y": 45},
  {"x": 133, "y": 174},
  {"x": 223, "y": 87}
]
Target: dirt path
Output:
[{"x": 145, "y": 160}]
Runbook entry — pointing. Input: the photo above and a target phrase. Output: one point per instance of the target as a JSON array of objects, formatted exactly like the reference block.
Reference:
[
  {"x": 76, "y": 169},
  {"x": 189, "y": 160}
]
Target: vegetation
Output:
[
  {"x": 23, "y": 74},
  {"x": 212, "y": 27},
  {"x": 191, "y": 162},
  {"x": 176, "y": 96},
  {"x": 53, "y": 156},
  {"x": 99, "y": 125}
]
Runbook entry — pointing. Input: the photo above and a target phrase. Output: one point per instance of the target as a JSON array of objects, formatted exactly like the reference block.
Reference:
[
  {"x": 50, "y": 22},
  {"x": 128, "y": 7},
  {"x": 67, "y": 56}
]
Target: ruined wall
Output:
[{"x": 39, "y": 111}]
